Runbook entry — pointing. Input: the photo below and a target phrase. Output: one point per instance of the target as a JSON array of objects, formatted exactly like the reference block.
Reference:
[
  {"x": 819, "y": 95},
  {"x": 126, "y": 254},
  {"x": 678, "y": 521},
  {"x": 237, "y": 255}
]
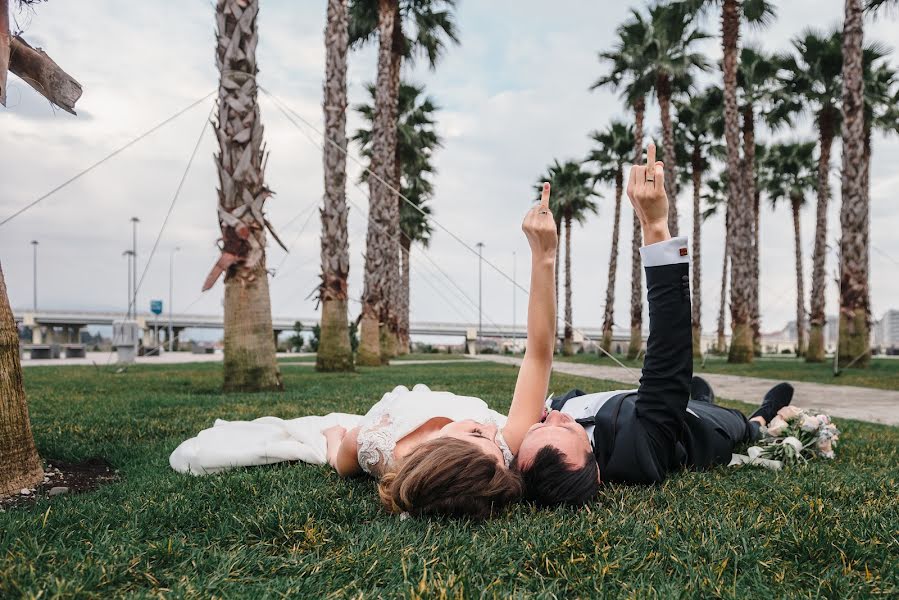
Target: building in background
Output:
[{"x": 886, "y": 333}]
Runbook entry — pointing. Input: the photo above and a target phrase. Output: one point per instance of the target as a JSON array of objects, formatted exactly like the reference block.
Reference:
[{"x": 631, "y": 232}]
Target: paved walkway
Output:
[
  {"x": 166, "y": 358},
  {"x": 864, "y": 404}
]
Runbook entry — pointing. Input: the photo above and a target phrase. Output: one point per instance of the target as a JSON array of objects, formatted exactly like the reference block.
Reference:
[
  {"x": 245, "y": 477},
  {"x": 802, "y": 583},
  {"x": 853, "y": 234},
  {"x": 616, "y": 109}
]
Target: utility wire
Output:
[{"x": 103, "y": 160}]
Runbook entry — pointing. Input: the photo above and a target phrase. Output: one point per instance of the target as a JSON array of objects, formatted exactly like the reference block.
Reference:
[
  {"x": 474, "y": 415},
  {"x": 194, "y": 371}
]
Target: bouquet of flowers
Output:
[{"x": 796, "y": 436}]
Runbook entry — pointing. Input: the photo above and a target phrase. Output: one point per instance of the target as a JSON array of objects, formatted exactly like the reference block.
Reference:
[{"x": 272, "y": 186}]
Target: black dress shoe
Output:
[
  {"x": 701, "y": 391},
  {"x": 777, "y": 397}
]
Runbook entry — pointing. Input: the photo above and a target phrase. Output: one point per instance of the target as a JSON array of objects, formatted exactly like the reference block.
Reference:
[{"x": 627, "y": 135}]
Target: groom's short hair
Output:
[{"x": 550, "y": 480}]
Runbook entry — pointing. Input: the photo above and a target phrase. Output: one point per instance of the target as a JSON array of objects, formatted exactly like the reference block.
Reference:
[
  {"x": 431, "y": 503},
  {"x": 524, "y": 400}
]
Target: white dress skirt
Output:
[{"x": 230, "y": 444}]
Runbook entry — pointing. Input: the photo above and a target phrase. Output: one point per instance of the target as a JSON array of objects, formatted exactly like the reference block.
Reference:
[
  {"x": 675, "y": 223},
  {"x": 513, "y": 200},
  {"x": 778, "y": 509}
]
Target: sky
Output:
[{"x": 514, "y": 96}]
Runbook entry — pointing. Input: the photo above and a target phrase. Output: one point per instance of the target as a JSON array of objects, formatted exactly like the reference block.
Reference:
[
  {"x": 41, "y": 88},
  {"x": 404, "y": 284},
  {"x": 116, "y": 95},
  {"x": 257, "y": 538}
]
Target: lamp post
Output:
[
  {"x": 129, "y": 254},
  {"x": 133, "y": 299},
  {"x": 514, "y": 293},
  {"x": 480, "y": 247},
  {"x": 171, "y": 286},
  {"x": 34, "y": 244}
]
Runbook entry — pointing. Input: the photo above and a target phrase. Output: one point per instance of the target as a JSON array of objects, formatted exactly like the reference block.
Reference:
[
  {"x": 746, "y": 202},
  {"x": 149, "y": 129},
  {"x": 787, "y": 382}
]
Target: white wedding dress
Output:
[{"x": 231, "y": 444}]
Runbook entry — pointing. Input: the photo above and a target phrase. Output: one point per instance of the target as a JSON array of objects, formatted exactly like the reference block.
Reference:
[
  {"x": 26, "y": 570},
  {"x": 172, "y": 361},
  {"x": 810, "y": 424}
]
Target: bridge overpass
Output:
[{"x": 51, "y": 326}]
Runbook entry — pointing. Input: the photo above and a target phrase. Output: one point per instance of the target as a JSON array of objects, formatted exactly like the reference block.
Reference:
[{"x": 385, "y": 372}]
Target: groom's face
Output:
[{"x": 562, "y": 433}]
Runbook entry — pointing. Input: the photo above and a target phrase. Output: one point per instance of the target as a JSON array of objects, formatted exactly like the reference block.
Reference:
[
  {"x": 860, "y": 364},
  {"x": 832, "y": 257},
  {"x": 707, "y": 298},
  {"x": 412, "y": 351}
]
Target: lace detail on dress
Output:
[
  {"x": 508, "y": 457},
  {"x": 376, "y": 445}
]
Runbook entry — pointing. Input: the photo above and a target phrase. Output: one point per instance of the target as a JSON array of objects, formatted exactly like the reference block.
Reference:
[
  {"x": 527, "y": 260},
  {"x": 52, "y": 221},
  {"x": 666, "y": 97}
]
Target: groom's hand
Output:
[
  {"x": 646, "y": 190},
  {"x": 540, "y": 228}
]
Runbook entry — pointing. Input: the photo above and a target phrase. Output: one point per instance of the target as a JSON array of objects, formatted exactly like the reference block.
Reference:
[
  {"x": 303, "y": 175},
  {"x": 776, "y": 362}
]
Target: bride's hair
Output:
[{"x": 451, "y": 477}]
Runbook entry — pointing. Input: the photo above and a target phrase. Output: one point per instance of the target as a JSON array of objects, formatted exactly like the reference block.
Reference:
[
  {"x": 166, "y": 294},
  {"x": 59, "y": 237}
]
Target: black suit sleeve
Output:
[{"x": 661, "y": 403}]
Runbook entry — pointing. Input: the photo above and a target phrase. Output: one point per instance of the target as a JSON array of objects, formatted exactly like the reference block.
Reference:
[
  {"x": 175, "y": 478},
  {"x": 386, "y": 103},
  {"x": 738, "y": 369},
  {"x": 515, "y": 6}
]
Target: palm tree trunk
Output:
[
  {"x": 378, "y": 244},
  {"x": 568, "y": 342},
  {"x": 796, "y": 203},
  {"x": 250, "y": 363},
  {"x": 752, "y": 195},
  {"x": 855, "y": 306},
  {"x": 636, "y": 342},
  {"x": 663, "y": 91},
  {"x": 696, "y": 307},
  {"x": 815, "y": 352},
  {"x": 740, "y": 230},
  {"x": 722, "y": 308},
  {"x": 334, "y": 350},
  {"x": 609, "y": 316},
  {"x": 405, "y": 258},
  {"x": 20, "y": 466}
]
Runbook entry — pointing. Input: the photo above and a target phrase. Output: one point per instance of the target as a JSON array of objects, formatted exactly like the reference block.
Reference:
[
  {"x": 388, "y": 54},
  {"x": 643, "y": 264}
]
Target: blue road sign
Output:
[{"x": 156, "y": 307}]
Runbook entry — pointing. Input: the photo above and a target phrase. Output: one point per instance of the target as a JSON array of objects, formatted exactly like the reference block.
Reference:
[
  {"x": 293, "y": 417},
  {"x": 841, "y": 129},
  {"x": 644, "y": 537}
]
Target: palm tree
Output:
[
  {"x": 758, "y": 13},
  {"x": 334, "y": 350},
  {"x": 813, "y": 76},
  {"x": 430, "y": 25},
  {"x": 716, "y": 199},
  {"x": 757, "y": 79},
  {"x": 417, "y": 139},
  {"x": 867, "y": 95},
  {"x": 788, "y": 174},
  {"x": 20, "y": 466},
  {"x": 630, "y": 72},
  {"x": 673, "y": 62},
  {"x": 573, "y": 190},
  {"x": 250, "y": 363},
  {"x": 615, "y": 147},
  {"x": 700, "y": 128}
]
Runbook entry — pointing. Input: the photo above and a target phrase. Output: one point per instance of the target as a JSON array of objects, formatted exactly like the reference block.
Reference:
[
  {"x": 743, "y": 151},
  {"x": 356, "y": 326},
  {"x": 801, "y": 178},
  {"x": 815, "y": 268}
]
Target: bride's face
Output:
[{"x": 482, "y": 436}]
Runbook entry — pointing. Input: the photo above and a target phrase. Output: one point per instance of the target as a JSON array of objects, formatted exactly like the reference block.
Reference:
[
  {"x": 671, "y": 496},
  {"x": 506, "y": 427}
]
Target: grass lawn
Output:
[
  {"x": 883, "y": 373},
  {"x": 829, "y": 529}
]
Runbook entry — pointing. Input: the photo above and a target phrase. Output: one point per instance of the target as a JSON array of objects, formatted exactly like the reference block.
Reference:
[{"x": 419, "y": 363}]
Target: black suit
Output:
[{"x": 639, "y": 437}]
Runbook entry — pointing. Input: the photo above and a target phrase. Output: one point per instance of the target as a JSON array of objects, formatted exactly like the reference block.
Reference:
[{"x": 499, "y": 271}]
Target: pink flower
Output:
[
  {"x": 777, "y": 426},
  {"x": 789, "y": 412},
  {"x": 825, "y": 448},
  {"x": 825, "y": 420},
  {"x": 810, "y": 423}
]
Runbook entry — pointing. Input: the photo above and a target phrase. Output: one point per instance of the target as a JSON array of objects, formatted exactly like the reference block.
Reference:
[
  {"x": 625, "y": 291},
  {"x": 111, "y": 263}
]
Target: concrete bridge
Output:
[{"x": 64, "y": 326}]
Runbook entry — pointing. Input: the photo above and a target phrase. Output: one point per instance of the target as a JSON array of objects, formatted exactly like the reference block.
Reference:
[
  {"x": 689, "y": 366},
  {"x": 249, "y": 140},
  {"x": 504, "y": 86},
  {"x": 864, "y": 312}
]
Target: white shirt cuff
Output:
[{"x": 669, "y": 252}]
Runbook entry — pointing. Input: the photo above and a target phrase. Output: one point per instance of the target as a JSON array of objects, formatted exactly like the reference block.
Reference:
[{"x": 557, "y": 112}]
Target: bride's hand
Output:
[{"x": 540, "y": 228}]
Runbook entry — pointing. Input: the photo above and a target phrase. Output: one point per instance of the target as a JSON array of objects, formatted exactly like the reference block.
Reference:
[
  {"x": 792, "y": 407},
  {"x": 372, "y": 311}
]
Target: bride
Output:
[{"x": 433, "y": 452}]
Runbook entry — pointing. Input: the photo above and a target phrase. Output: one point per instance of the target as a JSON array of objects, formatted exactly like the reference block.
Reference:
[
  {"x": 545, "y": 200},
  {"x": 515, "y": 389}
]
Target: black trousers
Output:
[{"x": 712, "y": 432}]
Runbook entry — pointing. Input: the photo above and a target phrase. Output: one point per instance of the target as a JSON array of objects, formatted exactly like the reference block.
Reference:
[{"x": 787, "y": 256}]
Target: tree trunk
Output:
[
  {"x": 752, "y": 200},
  {"x": 4, "y": 48},
  {"x": 636, "y": 342},
  {"x": 796, "y": 204},
  {"x": 663, "y": 92},
  {"x": 38, "y": 70},
  {"x": 855, "y": 305},
  {"x": 696, "y": 307},
  {"x": 722, "y": 308},
  {"x": 817, "y": 317},
  {"x": 609, "y": 316},
  {"x": 250, "y": 363},
  {"x": 334, "y": 350},
  {"x": 739, "y": 209},
  {"x": 568, "y": 341},
  {"x": 405, "y": 296},
  {"x": 20, "y": 466},
  {"x": 376, "y": 293}
]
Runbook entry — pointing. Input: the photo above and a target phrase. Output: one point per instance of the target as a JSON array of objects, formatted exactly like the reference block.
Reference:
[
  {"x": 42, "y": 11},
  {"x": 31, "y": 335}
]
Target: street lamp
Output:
[
  {"x": 133, "y": 299},
  {"x": 34, "y": 244},
  {"x": 480, "y": 247},
  {"x": 171, "y": 286},
  {"x": 129, "y": 254}
]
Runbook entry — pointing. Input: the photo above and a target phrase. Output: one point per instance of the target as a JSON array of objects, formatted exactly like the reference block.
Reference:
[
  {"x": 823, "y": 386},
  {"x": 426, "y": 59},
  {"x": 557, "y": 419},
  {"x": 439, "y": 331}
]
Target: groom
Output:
[{"x": 640, "y": 436}]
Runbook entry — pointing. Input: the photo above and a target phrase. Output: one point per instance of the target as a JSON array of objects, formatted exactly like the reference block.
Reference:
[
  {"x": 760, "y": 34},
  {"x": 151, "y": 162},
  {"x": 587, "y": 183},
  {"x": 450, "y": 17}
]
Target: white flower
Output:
[
  {"x": 754, "y": 452},
  {"x": 810, "y": 424},
  {"x": 790, "y": 412},
  {"x": 794, "y": 442},
  {"x": 776, "y": 426}
]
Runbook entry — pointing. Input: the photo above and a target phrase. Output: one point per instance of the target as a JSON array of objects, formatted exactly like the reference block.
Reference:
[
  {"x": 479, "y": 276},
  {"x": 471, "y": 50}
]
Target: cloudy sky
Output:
[{"x": 514, "y": 96}]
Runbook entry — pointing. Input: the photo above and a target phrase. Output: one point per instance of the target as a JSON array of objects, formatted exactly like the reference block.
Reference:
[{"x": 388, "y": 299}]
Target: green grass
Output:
[
  {"x": 415, "y": 356},
  {"x": 829, "y": 529},
  {"x": 883, "y": 373}
]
